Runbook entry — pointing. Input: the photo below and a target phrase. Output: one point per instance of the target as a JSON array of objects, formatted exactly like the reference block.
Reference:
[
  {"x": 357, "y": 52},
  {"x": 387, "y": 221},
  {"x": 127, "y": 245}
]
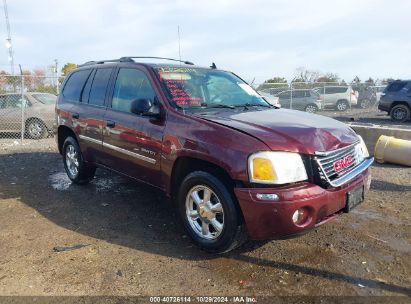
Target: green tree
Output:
[
  {"x": 370, "y": 82},
  {"x": 276, "y": 80},
  {"x": 328, "y": 77},
  {"x": 67, "y": 68}
]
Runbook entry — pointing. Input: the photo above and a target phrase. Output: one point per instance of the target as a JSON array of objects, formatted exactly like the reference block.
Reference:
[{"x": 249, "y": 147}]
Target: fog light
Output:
[{"x": 300, "y": 216}]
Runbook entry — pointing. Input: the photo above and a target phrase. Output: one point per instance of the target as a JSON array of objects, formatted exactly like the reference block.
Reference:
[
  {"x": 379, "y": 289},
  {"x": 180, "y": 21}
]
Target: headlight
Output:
[
  {"x": 361, "y": 150},
  {"x": 276, "y": 168}
]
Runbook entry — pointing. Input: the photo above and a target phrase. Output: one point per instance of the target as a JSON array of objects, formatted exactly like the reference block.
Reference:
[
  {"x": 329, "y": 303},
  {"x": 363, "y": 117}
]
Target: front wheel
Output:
[
  {"x": 209, "y": 213},
  {"x": 77, "y": 170}
]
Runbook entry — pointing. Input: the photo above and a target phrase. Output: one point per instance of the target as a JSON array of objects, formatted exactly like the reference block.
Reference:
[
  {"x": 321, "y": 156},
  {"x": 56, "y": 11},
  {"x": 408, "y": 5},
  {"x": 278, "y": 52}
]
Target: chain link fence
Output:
[
  {"x": 346, "y": 102},
  {"x": 27, "y": 103},
  {"x": 27, "y": 107}
]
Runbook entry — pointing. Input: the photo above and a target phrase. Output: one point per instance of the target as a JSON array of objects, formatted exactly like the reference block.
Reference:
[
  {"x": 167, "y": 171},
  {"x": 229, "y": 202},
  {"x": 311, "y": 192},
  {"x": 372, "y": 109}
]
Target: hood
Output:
[{"x": 288, "y": 130}]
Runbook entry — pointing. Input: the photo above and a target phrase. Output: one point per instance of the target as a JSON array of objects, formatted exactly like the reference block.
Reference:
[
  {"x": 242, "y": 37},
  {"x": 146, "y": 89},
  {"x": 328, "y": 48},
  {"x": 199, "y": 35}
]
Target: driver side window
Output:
[{"x": 131, "y": 84}]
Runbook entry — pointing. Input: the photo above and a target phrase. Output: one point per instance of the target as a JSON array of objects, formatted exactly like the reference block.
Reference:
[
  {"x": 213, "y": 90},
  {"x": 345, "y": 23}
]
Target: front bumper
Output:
[{"x": 273, "y": 219}]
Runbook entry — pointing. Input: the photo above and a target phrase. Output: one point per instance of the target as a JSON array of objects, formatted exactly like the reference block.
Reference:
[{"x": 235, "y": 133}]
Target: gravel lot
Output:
[
  {"x": 365, "y": 116},
  {"x": 134, "y": 244}
]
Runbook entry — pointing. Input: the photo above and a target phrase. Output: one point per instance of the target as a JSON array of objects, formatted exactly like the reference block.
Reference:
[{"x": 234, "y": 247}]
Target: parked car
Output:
[
  {"x": 338, "y": 97},
  {"x": 235, "y": 166},
  {"x": 273, "y": 100},
  {"x": 303, "y": 100},
  {"x": 378, "y": 91},
  {"x": 366, "y": 96},
  {"x": 38, "y": 114},
  {"x": 396, "y": 100}
]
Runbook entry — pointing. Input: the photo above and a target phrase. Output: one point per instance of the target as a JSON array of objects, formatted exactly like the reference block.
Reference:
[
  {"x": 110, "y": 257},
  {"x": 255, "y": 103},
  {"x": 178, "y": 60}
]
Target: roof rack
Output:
[
  {"x": 154, "y": 57},
  {"x": 130, "y": 59}
]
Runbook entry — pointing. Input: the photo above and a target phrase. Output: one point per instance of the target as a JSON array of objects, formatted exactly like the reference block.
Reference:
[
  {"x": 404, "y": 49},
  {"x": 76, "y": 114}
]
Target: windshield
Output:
[
  {"x": 196, "y": 88},
  {"x": 45, "y": 98}
]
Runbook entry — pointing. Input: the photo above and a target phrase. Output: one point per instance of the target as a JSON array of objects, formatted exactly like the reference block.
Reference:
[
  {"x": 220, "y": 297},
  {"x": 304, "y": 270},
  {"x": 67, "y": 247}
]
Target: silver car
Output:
[
  {"x": 37, "y": 110},
  {"x": 303, "y": 100},
  {"x": 338, "y": 97}
]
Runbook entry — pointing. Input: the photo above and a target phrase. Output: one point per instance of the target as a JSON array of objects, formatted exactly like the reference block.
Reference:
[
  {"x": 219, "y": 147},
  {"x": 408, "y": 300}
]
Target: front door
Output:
[{"x": 132, "y": 143}]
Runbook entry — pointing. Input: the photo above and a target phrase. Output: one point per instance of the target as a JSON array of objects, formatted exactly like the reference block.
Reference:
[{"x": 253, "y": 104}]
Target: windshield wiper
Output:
[
  {"x": 217, "y": 105},
  {"x": 246, "y": 105}
]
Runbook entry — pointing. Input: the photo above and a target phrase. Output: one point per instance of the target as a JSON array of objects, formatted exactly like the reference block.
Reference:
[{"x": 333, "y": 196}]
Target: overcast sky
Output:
[{"x": 258, "y": 39}]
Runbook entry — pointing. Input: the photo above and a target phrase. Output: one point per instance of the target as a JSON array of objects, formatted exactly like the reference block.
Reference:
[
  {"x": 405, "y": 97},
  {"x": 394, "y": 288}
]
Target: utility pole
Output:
[
  {"x": 56, "y": 71},
  {"x": 8, "y": 40}
]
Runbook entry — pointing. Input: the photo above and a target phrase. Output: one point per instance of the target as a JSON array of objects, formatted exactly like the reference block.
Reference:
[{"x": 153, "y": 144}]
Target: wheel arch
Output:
[
  {"x": 62, "y": 133},
  {"x": 396, "y": 103},
  {"x": 184, "y": 165}
]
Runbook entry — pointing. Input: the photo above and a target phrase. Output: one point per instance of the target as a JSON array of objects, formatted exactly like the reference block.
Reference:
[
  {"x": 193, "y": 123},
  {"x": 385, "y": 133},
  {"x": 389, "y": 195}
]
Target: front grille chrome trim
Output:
[
  {"x": 350, "y": 175},
  {"x": 328, "y": 173}
]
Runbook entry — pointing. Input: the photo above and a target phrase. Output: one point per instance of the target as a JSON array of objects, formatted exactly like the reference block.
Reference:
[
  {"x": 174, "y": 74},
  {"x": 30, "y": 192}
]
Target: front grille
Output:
[{"x": 326, "y": 161}]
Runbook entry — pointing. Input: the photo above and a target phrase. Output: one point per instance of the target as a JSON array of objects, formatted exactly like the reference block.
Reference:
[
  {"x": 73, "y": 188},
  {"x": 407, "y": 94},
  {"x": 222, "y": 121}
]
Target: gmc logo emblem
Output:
[{"x": 341, "y": 164}]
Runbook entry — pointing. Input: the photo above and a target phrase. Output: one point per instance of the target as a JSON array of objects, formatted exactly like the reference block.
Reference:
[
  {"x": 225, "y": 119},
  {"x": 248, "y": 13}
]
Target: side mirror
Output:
[{"x": 143, "y": 107}]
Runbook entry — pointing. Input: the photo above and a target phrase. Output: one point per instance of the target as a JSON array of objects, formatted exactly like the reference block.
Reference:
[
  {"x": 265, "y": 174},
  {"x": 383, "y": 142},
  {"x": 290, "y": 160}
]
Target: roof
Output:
[{"x": 132, "y": 59}]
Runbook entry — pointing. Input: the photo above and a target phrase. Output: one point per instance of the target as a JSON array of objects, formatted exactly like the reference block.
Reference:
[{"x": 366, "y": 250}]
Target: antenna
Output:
[
  {"x": 179, "y": 42},
  {"x": 179, "y": 55}
]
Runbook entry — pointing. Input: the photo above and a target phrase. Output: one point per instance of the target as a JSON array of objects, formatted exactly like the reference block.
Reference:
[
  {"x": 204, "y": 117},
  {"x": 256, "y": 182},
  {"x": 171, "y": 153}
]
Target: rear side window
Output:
[
  {"x": 396, "y": 86},
  {"x": 286, "y": 94},
  {"x": 298, "y": 94},
  {"x": 335, "y": 90},
  {"x": 74, "y": 86},
  {"x": 99, "y": 87}
]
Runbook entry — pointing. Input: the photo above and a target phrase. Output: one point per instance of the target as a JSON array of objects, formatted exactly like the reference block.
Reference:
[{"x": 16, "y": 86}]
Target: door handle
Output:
[
  {"x": 75, "y": 115},
  {"x": 111, "y": 124}
]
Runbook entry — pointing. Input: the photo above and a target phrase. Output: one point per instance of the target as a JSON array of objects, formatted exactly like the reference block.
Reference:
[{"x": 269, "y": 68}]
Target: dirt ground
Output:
[{"x": 130, "y": 241}]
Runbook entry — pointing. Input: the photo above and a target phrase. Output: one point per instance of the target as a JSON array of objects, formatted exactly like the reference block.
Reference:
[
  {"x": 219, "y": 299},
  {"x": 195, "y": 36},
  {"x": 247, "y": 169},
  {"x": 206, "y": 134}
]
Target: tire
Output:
[
  {"x": 365, "y": 103},
  {"x": 400, "y": 113},
  {"x": 36, "y": 129},
  {"x": 311, "y": 108},
  {"x": 77, "y": 170},
  {"x": 342, "y": 105},
  {"x": 220, "y": 215}
]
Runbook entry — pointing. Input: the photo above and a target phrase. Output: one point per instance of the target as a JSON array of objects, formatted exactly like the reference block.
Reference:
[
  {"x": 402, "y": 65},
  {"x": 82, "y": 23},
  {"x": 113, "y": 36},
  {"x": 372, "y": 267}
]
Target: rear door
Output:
[
  {"x": 88, "y": 113},
  {"x": 284, "y": 99},
  {"x": 133, "y": 142},
  {"x": 298, "y": 99}
]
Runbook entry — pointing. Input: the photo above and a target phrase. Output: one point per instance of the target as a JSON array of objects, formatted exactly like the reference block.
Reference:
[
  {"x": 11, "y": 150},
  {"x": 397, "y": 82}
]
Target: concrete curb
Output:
[{"x": 371, "y": 133}]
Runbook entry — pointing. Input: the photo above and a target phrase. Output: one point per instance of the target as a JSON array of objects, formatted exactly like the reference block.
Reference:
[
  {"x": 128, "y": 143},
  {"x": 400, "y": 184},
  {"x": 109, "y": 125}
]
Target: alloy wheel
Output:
[
  {"x": 72, "y": 161},
  {"x": 204, "y": 212}
]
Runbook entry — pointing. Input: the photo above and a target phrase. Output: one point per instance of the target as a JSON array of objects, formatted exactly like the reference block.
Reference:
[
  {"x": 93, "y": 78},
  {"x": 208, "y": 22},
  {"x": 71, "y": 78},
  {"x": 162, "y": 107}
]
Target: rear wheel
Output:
[
  {"x": 209, "y": 213},
  {"x": 35, "y": 129},
  {"x": 342, "y": 105},
  {"x": 77, "y": 170},
  {"x": 311, "y": 108},
  {"x": 400, "y": 113},
  {"x": 365, "y": 103}
]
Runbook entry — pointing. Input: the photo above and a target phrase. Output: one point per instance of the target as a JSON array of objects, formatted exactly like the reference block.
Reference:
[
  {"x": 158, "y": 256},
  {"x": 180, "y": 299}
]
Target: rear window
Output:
[
  {"x": 74, "y": 86},
  {"x": 335, "y": 90},
  {"x": 99, "y": 87},
  {"x": 396, "y": 86},
  {"x": 45, "y": 98}
]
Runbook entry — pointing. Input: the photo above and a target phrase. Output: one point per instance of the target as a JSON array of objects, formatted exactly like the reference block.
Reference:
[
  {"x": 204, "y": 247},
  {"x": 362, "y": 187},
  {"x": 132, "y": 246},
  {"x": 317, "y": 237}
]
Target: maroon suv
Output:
[{"x": 236, "y": 166}]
